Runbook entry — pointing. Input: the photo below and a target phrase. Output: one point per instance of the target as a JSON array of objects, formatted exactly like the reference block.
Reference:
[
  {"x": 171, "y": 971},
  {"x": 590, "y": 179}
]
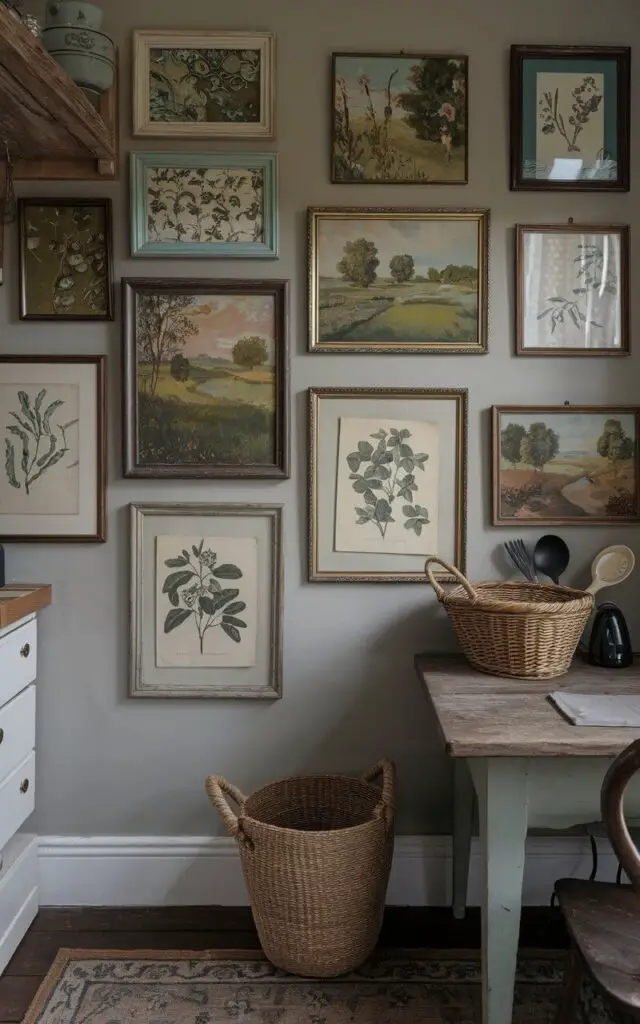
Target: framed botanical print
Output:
[
  {"x": 570, "y": 118},
  {"x": 215, "y": 85},
  {"x": 381, "y": 132},
  {"x": 398, "y": 280},
  {"x": 65, "y": 259},
  {"x": 572, "y": 464},
  {"x": 206, "y": 600},
  {"x": 53, "y": 422},
  {"x": 572, "y": 294},
  {"x": 205, "y": 378},
  {"x": 387, "y": 482},
  {"x": 204, "y": 204}
]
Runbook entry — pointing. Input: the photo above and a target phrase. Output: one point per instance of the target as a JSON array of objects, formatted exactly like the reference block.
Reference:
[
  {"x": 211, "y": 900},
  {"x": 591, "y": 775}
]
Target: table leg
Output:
[
  {"x": 463, "y": 803},
  {"x": 501, "y": 788}
]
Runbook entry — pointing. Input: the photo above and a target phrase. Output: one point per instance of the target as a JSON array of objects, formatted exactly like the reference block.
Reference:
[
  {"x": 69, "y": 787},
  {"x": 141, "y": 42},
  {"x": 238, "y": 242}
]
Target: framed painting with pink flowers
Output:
[{"x": 399, "y": 118}]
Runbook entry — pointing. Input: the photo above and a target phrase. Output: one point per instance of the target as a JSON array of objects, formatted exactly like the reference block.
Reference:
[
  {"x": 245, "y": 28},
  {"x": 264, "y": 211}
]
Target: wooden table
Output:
[{"x": 528, "y": 768}]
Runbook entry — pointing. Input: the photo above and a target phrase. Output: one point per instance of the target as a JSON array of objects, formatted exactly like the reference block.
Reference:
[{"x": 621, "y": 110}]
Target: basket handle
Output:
[
  {"x": 216, "y": 787},
  {"x": 440, "y": 593},
  {"x": 387, "y": 770}
]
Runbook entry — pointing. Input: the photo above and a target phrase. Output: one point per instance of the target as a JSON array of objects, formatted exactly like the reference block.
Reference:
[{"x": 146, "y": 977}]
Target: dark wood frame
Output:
[
  {"x": 622, "y": 56},
  {"x": 101, "y": 451},
  {"x": 131, "y": 287},
  {"x": 622, "y": 230},
  {"x": 108, "y": 220},
  {"x": 404, "y": 55},
  {"x": 497, "y": 411}
]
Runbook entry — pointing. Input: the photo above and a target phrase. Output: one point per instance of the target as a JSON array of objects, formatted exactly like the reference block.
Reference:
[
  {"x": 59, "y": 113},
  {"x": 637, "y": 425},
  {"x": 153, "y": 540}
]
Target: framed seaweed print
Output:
[
  {"x": 206, "y": 600},
  {"x": 204, "y": 204},
  {"x": 398, "y": 280},
  {"x": 53, "y": 424},
  {"x": 576, "y": 465},
  {"x": 214, "y": 85},
  {"x": 205, "y": 378},
  {"x": 387, "y": 482},
  {"x": 572, "y": 294},
  {"x": 570, "y": 118},
  {"x": 381, "y": 132}
]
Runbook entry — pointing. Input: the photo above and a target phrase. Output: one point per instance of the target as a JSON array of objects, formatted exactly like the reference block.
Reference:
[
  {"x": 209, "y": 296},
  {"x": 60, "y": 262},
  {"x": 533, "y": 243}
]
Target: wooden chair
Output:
[{"x": 603, "y": 918}]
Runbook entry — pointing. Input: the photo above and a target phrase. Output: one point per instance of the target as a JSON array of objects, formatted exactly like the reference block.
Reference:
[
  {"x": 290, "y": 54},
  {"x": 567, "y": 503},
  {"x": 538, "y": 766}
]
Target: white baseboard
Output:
[{"x": 194, "y": 871}]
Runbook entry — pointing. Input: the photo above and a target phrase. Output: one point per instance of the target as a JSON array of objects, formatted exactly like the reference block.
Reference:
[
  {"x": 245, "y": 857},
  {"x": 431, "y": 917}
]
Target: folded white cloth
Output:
[{"x": 619, "y": 709}]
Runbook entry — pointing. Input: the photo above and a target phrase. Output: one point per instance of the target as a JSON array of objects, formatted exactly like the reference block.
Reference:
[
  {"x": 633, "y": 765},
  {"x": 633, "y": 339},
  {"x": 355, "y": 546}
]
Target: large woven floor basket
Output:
[
  {"x": 523, "y": 630},
  {"x": 316, "y": 853}
]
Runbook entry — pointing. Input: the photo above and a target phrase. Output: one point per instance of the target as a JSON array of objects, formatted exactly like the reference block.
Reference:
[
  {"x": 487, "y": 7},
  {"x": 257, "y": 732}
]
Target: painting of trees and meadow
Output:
[
  {"x": 576, "y": 466},
  {"x": 399, "y": 118}
]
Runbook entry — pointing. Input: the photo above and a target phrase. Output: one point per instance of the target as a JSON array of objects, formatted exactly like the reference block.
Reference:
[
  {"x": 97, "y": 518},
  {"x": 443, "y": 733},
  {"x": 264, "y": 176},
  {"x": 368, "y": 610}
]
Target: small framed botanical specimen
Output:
[
  {"x": 398, "y": 280},
  {"x": 576, "y": 465},
  {"x": 570, "y": 118},
  {"x": 205, "y": 378},
  {"x": 572, "y": 295},
  {"x": 52, "y": 417},
  {"x": 204, "y": 204},
  {"x": 381, "y": 132},
  {"x": 65, "y": 259},
  {"x": 206, "y": 600},
  {"x": 215, "y": 85},
  {"x": 387, "y": 482}
]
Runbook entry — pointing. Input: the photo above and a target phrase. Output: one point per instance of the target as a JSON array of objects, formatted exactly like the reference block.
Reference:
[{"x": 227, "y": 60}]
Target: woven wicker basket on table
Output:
[
  {"x": 316, "y": 853},
  {"x": 522, "y": 630}
]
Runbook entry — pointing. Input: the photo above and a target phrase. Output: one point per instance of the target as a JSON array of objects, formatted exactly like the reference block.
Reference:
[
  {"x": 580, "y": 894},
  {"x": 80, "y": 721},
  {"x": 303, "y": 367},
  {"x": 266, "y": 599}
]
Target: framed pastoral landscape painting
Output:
[{"x": 205, "y": 378}]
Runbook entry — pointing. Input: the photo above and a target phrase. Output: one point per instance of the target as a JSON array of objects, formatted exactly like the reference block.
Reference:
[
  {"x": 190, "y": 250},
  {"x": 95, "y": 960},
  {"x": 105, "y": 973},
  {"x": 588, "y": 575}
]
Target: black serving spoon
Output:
[{"x": 551, "y": 556}]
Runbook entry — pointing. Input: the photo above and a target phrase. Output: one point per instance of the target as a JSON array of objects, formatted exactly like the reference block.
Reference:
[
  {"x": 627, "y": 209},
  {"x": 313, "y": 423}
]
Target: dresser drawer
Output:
[
  {"x": 17, "y": 730},
  {"x": 17, "y": 794},
  {"x": 17, "y": 660},
  {"x": 18, "y": 893}
]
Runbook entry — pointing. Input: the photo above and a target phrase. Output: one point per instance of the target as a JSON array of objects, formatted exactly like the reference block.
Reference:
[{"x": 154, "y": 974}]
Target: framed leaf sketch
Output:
[
  {"x": 214, "y": 85},
  {"x": 65, "y": 259},
  {"x": 205, "y": 378},
  {"x": 204, "y": 204},
  {"x": 570, "y": 110},
  {"x": 576, "y": 465},
  {"x": 387, "y": 482},
  {"x": 572, "y": 295},
  {"x": 206, "y": 600},
  {"x": 398, "y": 280},
  {"x": 53, "y": 423}
]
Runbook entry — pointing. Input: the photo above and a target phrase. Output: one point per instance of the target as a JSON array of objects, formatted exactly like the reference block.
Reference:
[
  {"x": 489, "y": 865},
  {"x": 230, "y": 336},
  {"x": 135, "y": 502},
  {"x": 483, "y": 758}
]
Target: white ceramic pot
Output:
[
  {"x": 87, "y": 56},
  {"x": 78, "y": 13}
]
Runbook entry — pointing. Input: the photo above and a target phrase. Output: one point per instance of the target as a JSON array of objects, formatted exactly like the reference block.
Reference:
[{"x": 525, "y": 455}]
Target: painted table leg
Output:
[
  {"x": 501, "y": 788},
  {"x": 463, "y": 803}
]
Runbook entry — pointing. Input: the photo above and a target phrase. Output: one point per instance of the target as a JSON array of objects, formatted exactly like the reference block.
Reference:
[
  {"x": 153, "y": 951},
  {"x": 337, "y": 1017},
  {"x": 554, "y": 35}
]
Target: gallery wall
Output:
[{"x": 108, "y": 765}]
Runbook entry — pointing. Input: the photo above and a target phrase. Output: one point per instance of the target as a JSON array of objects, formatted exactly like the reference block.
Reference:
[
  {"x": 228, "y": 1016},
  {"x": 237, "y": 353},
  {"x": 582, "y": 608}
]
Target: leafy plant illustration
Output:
[
  {"x": 594, "y": 275},
  {"x": 586, "y": 100},
  {"x": 194, "y": 591},
  {"x": 80, "y": 277},
  {"x": 223, "y": 85},
  {"x": 43, "y": 443},
  {"x": 383, "y": 473},
  {"x": 205, "y": 204}
]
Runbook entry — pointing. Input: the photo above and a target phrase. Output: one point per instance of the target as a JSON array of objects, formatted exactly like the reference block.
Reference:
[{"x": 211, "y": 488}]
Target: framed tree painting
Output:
[
  {"x": 214, "y": 85},
  {"x": 53, "y": 423},
  {"x": 575, "y": 465},
  {"x": 570, "y": 116},
  {"x": 205, "y": 378},
  {"x": 206, "y": 600},
  {"x": 572, "y": 295},
  {"x": 387, "y": 482}
]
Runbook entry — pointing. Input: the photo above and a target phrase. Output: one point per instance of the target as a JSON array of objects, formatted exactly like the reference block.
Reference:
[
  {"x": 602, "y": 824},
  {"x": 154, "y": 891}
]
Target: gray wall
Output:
[{"x": 108, "y": 765}]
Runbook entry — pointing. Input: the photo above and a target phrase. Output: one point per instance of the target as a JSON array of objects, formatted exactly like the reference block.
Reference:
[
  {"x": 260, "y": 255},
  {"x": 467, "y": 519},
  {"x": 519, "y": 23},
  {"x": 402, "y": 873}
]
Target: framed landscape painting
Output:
[
  {"x": 572, "y": 295},
  {"x": 206, "y": 600},
  {"x": 203, "y": 84},
  {"x": 398, "y": 280},
  {"x": 53, "y": 423},
  {"x": 570, "y": 118},
  {"x": 205, "y": 378},
  {"x": 387, "y": 482},
  {"x": 399, "y": 118},
  {"x": 576, "y": 465}
]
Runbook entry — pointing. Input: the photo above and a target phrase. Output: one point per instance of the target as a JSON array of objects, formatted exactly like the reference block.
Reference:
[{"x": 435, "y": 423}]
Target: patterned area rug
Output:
[{"x": 85, "y": 987}]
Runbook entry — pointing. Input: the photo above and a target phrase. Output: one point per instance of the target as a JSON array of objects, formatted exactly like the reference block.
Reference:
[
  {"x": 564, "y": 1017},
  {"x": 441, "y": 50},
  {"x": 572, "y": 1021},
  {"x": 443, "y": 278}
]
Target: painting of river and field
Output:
[{"x": 566, "y": 465}]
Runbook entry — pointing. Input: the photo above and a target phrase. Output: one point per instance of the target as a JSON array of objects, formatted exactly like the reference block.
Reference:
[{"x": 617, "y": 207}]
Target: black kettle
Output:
[{"x": 610, "y": 643}]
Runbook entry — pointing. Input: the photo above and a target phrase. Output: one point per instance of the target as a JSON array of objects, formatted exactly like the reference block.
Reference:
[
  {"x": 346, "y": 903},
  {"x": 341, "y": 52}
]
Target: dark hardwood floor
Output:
[{"x": 227, "y": 928}]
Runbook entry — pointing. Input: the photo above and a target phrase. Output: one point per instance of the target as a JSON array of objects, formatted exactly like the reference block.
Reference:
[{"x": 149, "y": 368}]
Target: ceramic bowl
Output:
[
  {"x": 73, "y": 12},
  {"x": 87, "y": 56}
]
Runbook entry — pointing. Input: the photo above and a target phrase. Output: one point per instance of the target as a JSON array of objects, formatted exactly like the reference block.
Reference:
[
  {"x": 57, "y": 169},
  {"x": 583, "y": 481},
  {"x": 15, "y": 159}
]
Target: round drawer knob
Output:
[
  {"x": 1, "y": 735},
  {"x": 24, "y": 785},
  {"x": 25, "y": 651}
]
